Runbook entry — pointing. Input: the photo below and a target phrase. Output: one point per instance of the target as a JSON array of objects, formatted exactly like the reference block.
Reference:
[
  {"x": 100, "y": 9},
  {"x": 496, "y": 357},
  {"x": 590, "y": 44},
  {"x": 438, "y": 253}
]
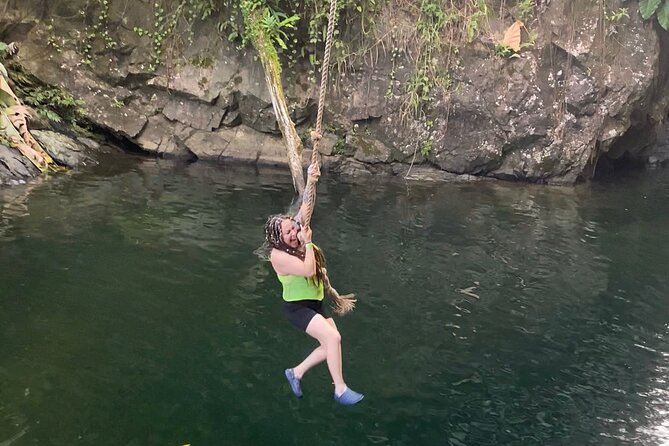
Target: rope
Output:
[
  {"x": 342, "y": 304},
  {"x": 310, "y": 189}
]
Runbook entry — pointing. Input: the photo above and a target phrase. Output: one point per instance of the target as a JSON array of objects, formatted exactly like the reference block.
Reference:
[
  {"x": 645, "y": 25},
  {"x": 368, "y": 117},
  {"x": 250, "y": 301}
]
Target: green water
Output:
[{"x": 133, "y": 312}]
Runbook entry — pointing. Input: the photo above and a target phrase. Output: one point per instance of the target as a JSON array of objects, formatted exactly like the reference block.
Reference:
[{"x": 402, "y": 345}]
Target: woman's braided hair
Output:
[{"x": 274, "y": 239}]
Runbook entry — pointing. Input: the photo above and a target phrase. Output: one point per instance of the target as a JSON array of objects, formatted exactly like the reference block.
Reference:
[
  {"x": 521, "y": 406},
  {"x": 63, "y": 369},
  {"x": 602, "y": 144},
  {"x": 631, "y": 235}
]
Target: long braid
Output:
[{"x": 274, "y": 239}]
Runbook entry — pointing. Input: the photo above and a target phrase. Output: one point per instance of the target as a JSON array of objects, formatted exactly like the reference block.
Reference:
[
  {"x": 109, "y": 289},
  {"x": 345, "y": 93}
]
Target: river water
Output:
[{"x": 134, "y": 312}]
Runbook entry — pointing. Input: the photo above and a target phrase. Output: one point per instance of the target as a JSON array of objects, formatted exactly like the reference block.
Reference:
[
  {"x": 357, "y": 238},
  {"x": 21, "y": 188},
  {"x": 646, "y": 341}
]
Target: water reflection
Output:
[
  {"x": 488, "y": 314},
  {"x": 657, "y": 429}
]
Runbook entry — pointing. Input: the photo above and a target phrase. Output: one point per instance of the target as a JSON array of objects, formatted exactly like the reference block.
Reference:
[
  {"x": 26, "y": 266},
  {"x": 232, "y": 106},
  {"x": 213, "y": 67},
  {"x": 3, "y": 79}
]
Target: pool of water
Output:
[{"x": 134, "y": 312}]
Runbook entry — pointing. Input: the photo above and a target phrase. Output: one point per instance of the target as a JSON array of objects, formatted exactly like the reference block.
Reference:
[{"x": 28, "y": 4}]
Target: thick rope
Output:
[
  {"x": 341, "y": 304},
  {"x": 310, "y": 190}
]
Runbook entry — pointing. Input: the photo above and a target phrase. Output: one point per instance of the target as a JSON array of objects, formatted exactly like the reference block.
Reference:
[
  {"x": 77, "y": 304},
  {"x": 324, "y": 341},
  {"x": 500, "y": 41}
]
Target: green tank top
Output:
[{"x": 299, "y": 288}]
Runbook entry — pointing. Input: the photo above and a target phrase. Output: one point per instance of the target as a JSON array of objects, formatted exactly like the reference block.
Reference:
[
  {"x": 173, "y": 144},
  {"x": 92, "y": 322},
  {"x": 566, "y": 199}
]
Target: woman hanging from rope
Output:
[{"x": 300, "y": 267}]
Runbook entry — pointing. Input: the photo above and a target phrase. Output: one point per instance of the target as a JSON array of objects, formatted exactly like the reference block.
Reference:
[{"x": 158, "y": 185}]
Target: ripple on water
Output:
[{"x": 149, "y": 308}]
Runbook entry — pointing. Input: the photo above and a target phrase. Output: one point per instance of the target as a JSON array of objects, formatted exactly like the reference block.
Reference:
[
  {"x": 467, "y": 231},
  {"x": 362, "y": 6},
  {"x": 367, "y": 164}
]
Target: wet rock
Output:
[
  {"x": 430, "y": 174},
  {"x": 369, "y": 150},
  {"x": 241, "y": 143},
  {"x": 258, "y": 114},
  {"x": 14, "y": 167},
  {"x": 89, "y": 143},
  {"x": 203, "y": 83},
  {"x": 193, "y": 114},
  {"x": 64, "y": 150},
  {"x": 353, "y": 168},
  {"x": 232, "y": 118},
  {"x": 164, "y": 138}
]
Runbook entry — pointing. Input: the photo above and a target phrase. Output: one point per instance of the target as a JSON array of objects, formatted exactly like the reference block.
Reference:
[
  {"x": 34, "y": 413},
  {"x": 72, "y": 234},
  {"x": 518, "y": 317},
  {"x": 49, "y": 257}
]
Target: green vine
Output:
[
  {"x": 98, "y": 30},
  {"x": 297, "y": 30}
]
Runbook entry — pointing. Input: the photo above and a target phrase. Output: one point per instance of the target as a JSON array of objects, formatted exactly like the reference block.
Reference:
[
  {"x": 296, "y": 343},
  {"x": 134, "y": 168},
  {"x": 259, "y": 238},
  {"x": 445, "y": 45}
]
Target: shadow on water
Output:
[{"x": 134, "y": 311}]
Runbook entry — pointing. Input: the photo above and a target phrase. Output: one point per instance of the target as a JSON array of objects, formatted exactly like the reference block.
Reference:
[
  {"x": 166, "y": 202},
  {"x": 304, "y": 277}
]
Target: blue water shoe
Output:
[
  {"x": 349, "y": 397},
  {"x": 294, "y": 383}
]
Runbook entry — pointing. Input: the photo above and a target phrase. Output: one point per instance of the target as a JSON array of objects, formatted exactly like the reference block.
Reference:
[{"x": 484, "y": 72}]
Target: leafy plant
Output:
[
  {"x": 617, "y": 15},
  {"x": 98, "y": 30},
  {"x": 504, "y": 50},
  {"x": 274, "y": 23},
  {"x": 526, "y": 9},
  {"x": 659, "y": 8},
  {"x": 426, "y": 148},
  {"x": 50, "y": 102}
]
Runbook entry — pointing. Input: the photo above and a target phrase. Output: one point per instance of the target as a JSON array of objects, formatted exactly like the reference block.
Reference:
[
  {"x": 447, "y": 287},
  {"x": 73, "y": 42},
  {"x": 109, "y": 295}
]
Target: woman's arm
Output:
[{"x": 286, "y": 264}]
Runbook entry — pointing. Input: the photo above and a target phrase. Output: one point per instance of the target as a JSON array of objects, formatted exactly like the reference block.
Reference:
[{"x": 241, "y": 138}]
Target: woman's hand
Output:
[
  {"x": 314, "y": 171},
  {"x": 306, "y": 234}
]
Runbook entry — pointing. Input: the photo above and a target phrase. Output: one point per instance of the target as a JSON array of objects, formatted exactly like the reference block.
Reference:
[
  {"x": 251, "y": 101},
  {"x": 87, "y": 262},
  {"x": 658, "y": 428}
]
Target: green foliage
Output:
[
  {"x": 55, "y": 104},
  {"x": 163, "y": 26},
  {"x": 648, "y": 8},
  {"x": 172, "y": 22},
  {"x": 274, "y": 25},
  {"x": 202, "y": 61},
  {"x": 426, "y": 148},
  {"x": 441, "y": 27},
  {"x": 659, "y": 8},
  {"x": 293, "y": 31},
  {"x": 52, "y": 40},
  {"x": 419, "y": 89},
  {"x": 48, "y": 101},
  {"x": 341, "y": 148},
  {"x": 4, "y": 48},
  {"x": 617, "y": 15},
  {"x": 297, "y": 31},
  {"x": 474, "y": 18},
  {"x": 266, "y": 23},
  {"x": 526, "y": 9},
  {"x": 97, "y": 30},
  {"x": 259, "y": 33},
  {"x": 663, "y": 15},
  {"x": 504, "y": 50}
]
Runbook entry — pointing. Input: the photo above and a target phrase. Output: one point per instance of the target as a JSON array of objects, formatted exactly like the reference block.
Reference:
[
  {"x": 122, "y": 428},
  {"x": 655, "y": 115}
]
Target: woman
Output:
[{"x": 300, "y": 271}]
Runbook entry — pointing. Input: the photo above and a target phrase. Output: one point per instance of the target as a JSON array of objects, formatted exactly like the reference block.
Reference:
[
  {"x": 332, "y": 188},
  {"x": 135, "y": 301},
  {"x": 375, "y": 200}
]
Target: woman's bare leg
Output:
[
  {"x": 328, "y": 335},
  {"x": 315, "y": 357}
]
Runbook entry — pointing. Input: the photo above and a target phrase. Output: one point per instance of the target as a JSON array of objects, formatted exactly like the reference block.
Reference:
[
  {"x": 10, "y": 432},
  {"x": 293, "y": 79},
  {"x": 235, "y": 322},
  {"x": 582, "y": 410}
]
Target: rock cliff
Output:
[{"x": 585, "y": 91}]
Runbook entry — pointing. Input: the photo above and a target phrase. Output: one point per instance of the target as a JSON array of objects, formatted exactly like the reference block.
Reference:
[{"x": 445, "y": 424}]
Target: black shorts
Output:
[{"x": 300, "y": 312}]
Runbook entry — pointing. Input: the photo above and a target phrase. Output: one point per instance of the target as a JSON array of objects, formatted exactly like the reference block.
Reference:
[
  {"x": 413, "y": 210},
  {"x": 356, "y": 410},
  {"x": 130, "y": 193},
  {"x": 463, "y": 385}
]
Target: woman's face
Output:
[{"x": 289, "y": 230}]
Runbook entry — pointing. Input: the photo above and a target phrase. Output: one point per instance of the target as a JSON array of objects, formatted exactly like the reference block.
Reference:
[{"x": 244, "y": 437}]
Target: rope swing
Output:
[
  {"x": 341, "y": 304},
  {"x": 316, "y": 135}
]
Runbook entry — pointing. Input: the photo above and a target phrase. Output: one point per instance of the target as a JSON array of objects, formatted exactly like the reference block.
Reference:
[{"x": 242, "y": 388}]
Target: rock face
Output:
[
  {"x": 14, "y": 168},
  {"x": 66, "y": 151},
  {"x": 586, "y": 90}
]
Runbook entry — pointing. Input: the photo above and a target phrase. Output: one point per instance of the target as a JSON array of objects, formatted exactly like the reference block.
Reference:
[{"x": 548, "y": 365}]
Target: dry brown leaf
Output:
[
  {"x": 33, "y": 155},
  {"x": 512, "y": 36},
  {"x": 4, "y": 87},
  {"x": 19, "y": 115}
]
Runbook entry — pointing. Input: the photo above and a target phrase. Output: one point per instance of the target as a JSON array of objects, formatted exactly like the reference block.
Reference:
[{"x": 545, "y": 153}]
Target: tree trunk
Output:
[{"x": 272, "y": 69}]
